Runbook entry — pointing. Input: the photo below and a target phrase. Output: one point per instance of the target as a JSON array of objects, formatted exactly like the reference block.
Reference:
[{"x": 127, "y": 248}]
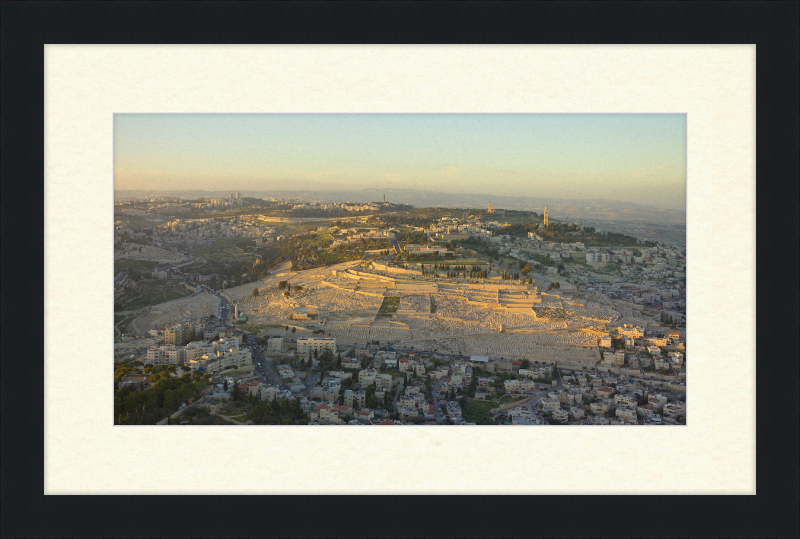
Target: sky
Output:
[{"x": 637, "y": 158}]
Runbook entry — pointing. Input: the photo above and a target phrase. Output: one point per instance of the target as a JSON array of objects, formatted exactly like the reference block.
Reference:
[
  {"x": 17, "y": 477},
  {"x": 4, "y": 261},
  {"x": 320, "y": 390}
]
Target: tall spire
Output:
[{"x": 546, "y": 221}]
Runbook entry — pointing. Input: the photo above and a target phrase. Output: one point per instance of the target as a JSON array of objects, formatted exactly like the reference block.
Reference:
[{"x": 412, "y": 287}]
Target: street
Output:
[{"x": 268, "y": 371}]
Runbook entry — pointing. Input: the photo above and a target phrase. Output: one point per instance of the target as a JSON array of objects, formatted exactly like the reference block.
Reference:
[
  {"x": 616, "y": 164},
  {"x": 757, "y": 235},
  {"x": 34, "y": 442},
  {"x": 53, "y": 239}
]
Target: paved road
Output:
[
  {"x": 437, "y": 410},
  {"x": 312, "y": 380},
  {"x": 116, "y": 326},
  {"x": 397, "y": 395},
  {"x": 223, "y": 316},
  {"x": 269, "y": 369}
]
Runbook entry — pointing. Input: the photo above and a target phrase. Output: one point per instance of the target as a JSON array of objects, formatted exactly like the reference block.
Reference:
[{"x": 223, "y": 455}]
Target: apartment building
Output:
[
  {"x": 367, "y": 377},
  {"x": 674, "y": 409},
  {"x": 232, "y": 358},
  {"x": 166, "y": 355},
  {"x": 646, "y": 410},
  {"x": 550, "y": 404},
  {"x": 599, "y": 407},
  {"x": 274, "y": 344},
  {"x": 560, "y": 415},
  {"x": 355, "y": 398},
  {"x": 326, "y": 415},
  {"x": 657, "y": 401},
  {"x": 383, "y": 381},
  {"x": 453, "y": 409},
  {"x": 196, "y": 350},
  {"x": 604, "y": 392},
  {"x": 178, "y": 334},
  {"x": 306, "y": 345},
  {"x": 615, "y": 358},
  {"x": 661, "y": 363},
  {"x": 625, "y": 400},
  {"x": 268, "y": 393},
  {"x": 626, "y": 414}
]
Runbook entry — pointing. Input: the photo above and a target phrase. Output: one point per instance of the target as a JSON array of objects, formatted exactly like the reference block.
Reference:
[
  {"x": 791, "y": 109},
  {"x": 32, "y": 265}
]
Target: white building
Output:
[
  {"x": 560, "y": 415},
  {"x": 626, "y": 414},
  {"x": 231, "y": 358},
  {"x": 598, "y": 257},
  {"x": 550, "y": 405},
  {"x": 307, "y": 345},
  {"x": 166, "y": 355},
  {"x": 657, "y": 401}
]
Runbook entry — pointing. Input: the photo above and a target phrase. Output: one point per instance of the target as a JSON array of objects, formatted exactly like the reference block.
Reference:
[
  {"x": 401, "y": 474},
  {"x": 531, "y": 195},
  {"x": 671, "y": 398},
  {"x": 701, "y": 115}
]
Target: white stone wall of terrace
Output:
[
  {"x": 520, "y": 310},
  {"x": 371, "y": 294},
  {"x": 390, "y": 270},
  {"x": 350, "y": 287},
  {"x": 370, "y": 276},
  {"x": 417, "y": 288}
]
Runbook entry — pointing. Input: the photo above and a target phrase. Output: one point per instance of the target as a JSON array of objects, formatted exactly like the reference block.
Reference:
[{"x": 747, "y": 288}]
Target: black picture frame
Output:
[{"x": 772, "y": 26}]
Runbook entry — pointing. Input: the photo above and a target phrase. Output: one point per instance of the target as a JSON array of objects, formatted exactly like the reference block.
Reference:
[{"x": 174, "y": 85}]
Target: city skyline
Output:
[{"x": 638, "y": 158}]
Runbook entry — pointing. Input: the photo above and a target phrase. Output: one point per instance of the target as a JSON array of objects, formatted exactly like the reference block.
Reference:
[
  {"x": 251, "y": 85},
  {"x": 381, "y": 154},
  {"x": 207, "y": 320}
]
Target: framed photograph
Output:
[
  {"x": 98, "y": 100},
  {"x": 311, "y": 298}
]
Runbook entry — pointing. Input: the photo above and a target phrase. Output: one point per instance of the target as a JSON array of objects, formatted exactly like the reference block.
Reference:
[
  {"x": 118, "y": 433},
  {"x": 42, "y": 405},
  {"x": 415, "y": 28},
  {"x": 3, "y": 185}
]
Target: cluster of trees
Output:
[
  {"x": 417, "y": 217},
  {"x": 326, "y": 359},
  {"x": 342, "y": 253},
  {"x": 563, "y": 232},
  {"x": 456, "y": 271},
  {"x": 477, "y": 244},
  {"x": 164, "y": 397},
  {"x": 300, "y": 249},
  {"x": 419, "y": 238},
  {"x": 552, "y": 230},
  {"x": 422, "y": 257},
  {"x": 278, "y": 412}
]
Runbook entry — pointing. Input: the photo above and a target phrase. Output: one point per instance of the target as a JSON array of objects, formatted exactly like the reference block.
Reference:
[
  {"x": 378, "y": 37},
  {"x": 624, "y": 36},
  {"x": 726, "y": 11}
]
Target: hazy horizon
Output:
[{"x": 638, "y": 158}]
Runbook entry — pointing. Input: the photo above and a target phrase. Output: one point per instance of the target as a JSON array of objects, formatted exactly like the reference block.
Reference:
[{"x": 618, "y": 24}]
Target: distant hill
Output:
[{"x": 611, "y": 210}]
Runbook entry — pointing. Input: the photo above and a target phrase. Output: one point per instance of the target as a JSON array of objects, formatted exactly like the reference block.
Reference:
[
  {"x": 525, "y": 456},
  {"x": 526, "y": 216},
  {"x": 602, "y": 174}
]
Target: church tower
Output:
[{"x": 545, "y": 216}]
